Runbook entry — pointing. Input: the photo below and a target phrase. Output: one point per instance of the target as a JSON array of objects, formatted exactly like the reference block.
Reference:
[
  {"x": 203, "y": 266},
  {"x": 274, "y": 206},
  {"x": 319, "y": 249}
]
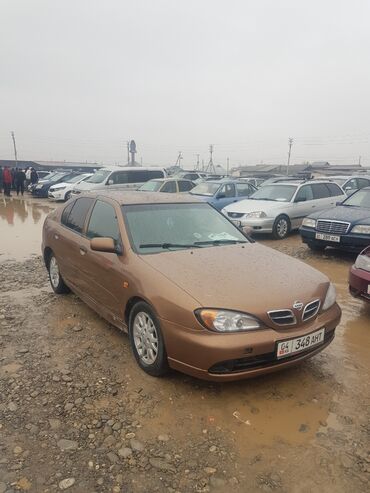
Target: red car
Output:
[{"x": 359, "y": 276}]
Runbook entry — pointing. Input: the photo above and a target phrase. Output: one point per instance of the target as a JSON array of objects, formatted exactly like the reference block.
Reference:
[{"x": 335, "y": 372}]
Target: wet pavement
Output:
[{"x": 67, "y": 374}]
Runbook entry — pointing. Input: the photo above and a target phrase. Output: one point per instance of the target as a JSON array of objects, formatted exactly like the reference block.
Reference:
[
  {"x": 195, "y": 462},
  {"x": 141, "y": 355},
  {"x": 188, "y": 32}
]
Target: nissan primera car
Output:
[{"x": 193, "y": 292}]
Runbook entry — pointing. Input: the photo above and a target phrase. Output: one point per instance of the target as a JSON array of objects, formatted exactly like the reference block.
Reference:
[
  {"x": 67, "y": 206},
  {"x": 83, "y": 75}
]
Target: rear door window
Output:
[
  {"x": 103, "y": 222},
  {"x": 227, "y": 190},
  {"x": 363, "y": 182},
  {"x": 320, "y": 191},
  {"x": 244, "y": 189},
  {"x": 77, "y": 215},
  {"x": 334, "y": 189},
  {"x": 185, "y": 186}
]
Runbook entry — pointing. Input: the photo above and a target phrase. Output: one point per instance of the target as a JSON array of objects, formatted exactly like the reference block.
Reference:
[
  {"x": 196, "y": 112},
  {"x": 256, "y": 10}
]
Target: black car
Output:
[
  {"x": 41, "y": 189},
  {"x": 346, "y": 226}
]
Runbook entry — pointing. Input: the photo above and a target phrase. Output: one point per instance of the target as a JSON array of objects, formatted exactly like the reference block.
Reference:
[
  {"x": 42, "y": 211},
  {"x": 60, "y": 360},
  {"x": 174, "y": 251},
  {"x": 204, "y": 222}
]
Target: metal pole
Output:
[
  {"x": 15, "y": 150},
  {"x": 290, "y": 143},
  {"x": 227, "y": 166}
]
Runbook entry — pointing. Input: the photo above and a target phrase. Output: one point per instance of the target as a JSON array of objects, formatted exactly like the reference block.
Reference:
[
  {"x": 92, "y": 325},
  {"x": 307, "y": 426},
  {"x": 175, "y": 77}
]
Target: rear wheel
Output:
[
  {"x": 147, "y": 341},
  {"x": 281, "y": 228},
  {"x": 67, "y": 196},
  {"x": 316, "y": 247},
  {"x": 56, "y": 280}
]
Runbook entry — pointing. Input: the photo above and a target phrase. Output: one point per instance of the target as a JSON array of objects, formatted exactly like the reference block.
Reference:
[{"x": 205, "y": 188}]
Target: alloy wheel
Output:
[
  {"x": 145, "y": 338},
  {"x": 54, "y": 272}
]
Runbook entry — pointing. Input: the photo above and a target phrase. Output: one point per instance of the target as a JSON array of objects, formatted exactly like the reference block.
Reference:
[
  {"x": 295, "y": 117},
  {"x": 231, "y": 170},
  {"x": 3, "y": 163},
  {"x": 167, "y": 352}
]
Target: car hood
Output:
[
  {"x": 205, "y": 198},
  {"x": 342, "y": 213},
  {"x": 250, "y": 205},
  {"x": 250, "y": 278},
  {"x": 59, "y": 185},
  {"x": 88, "y": 186}
]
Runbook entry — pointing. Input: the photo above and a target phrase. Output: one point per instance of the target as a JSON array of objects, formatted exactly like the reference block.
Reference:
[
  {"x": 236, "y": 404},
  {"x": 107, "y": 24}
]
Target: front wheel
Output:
[
  {"x": 67, "y": 196},
  {"x": 147, "y": 341},
  {"x": 281, "y": 228},
  {"x": 56, "y": 280}
]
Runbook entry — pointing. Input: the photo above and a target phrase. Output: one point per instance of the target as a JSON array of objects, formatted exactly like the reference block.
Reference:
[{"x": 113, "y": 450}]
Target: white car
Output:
[
  {"x": 281, "y": 207},
  {"x": 62, "y": 191}
]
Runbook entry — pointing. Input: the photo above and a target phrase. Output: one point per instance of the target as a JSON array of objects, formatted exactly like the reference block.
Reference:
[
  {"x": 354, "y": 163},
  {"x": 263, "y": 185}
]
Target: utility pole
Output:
[
  {"x": 15, "y": 149},
  {"x": 227, "y": 166},
  {"x": 128, "y": 151},
  {"x": 290, "y": 143},
  {"x": 178, "y": 160},
  {"x": 211, "y": 166},
  {"x": 197, "y": 166},
  {"x": 359, "y": 160}
]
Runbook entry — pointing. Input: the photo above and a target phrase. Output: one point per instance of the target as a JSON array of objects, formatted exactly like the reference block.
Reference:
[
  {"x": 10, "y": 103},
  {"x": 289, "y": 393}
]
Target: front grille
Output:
[
  {"x": 282, "y": 317},
  {"x": 235, "y": 215},
  {"x": 262, "y": 360},
  {"x": 311, "y": 310},
  {"x": 332, "y": 227}
]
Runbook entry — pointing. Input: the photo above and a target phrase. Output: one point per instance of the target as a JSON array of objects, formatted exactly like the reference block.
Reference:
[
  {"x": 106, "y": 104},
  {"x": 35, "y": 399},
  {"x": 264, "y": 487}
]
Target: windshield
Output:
[
  {"x": 205, "y": 188},
  {"x": 99, "y": 176},
  {"x": 73, "y": 179},
  {"x": 279, "y": 193},
  {"x": 151, "y": 186},
  {"x": 56, "y": 176},
  {"x": 359, "y": 199},
  {"x": 155, "y": 228}
]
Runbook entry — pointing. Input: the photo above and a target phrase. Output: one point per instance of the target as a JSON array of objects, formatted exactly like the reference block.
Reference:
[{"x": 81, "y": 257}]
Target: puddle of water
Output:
[{"x": 21, "y": 221}]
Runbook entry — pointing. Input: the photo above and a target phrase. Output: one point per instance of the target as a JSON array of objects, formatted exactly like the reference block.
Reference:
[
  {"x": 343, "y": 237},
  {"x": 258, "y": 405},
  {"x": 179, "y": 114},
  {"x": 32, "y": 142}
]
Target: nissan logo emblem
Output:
[{"x": 298, "y": 305}]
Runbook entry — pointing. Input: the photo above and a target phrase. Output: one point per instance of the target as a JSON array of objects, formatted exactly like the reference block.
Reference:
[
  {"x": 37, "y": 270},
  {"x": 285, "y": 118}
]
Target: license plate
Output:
[
  {"x": 293, "y": 346},
  {"x": 321, "y": 236}
]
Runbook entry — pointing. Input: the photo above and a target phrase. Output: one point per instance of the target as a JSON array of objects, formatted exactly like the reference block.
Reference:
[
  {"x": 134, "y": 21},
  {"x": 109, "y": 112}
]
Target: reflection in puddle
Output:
[{"x": 21, "y": 221}]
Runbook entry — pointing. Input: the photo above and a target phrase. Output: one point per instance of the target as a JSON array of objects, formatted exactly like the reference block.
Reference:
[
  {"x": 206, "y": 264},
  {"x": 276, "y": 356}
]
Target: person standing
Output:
[
  {"x": 7, "y": 181},
  {"x": 1, "y": 179},
  {"x": 20, "y": 178},
  {"x": 28, "y": 176},
  {"x": 34, "y": 176}
]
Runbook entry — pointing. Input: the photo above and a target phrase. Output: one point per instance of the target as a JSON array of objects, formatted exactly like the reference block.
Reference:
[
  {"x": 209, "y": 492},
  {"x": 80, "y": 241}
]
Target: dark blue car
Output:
[
  {"x": 346, "y": 226},
  {"x": 41, "y": 189},
  {"x": 221, "y": 193}
]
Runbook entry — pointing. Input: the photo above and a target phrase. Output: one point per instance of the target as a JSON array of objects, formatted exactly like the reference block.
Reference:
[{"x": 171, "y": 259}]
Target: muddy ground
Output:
[{"x": 77, "y": 414}]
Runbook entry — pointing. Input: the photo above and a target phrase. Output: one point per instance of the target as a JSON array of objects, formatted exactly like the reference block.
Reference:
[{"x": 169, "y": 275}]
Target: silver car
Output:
[{"x": 280, "y": 207}]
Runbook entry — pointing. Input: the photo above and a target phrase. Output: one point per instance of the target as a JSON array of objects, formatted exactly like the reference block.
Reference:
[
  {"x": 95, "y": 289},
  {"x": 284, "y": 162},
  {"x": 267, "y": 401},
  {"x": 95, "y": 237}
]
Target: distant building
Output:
[
  {"x": 51, "y": 165},
  {"x": 315, "y": 169}
]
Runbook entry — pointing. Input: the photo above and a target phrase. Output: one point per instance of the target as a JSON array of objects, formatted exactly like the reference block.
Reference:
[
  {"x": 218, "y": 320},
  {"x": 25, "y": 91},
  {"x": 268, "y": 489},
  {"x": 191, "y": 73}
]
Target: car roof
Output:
[
  {"x": 131, "y": 168},
  {"x": 136, "y": 197},
  {"x": 171, "y": 178}
]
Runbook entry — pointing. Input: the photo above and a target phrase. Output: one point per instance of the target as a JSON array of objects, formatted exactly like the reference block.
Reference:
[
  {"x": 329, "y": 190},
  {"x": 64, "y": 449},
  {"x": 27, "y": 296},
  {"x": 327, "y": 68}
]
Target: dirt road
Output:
[{"x": 77, "y": 414}]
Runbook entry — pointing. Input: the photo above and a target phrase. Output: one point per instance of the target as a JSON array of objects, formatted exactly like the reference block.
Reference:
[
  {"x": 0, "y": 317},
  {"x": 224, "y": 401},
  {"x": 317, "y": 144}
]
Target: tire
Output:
[
  {"x": 315, "y": 247},
  {"x": 150, "y": 353},
  {"x": 281, "y": 228},
  {"x": 67, "y": 196},
  {"x": 55, "y": 278}
]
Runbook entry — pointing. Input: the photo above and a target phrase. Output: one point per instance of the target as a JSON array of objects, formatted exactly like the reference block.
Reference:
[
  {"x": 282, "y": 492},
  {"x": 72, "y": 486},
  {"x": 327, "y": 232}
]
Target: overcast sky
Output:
[{"x": 80, "y": 77}]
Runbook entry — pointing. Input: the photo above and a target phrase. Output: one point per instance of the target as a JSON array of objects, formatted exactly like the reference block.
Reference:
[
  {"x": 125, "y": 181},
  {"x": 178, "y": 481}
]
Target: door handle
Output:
[{"x": 83, "y": 250}]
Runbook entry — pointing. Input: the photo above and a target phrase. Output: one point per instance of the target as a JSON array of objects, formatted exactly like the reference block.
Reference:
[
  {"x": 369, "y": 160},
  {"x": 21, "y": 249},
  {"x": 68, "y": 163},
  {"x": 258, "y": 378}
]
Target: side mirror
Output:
[
  {"x": 221, "y": 196},
  {"x": 103, "y": 245},
  {"x": 110, "y": 182},
  {"x": 301, "y": 199}
]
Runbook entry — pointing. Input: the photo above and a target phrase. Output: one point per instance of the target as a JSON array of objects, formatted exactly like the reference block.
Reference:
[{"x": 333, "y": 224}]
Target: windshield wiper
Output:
[
  {"x": 166, "y": 246},
  {"x": 219, "y": 242}
]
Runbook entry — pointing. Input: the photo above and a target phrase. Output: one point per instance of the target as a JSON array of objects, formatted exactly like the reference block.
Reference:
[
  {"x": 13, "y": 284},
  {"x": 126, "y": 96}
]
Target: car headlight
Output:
[
  {"x": 363, "y": 262},
  {"x": 330, "y": 298},
  {"x": 59, "y": 188},
  {"x": 361, "y": 229},
  {"x": 309, "y": 223},
  {"x": 256, "y": 214},
  {"x": 227, "y": 321},
  {"x": 224, "y": 212}
]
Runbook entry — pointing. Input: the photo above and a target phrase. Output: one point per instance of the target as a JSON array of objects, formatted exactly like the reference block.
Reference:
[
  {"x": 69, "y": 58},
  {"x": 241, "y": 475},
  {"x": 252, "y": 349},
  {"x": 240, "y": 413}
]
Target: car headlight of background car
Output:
[
  {"x": 58, "y": 189},
  {"x": 227, "y": 321},
  {"x": 309, "y": 223},
  {"x": 363, "y": 262},
  {"x": 362, "y": 229},
  {"x": 256, "y": 214},
  {"x": 330, "y": 298}
]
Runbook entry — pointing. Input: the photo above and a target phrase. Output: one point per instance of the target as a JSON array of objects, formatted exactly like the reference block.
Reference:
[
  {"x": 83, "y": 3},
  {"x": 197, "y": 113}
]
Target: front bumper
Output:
[
  {"x": 256, "y": 224},
  {"x": 203, "y": 354},
  {"x": 56, "y": 195},
  {"x": 359, "y": 283},
  {"x": 40, "y": 192},
  {"x": 350, "y": 241}
]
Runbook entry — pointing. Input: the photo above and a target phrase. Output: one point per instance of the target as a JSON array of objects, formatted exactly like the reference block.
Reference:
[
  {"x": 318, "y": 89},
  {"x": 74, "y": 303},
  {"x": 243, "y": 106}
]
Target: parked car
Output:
[
  {"x": 351, "y": 183},
  {"x": 279, "y": 179},
  {"x": 42, "y": 187},
  {"x": 167, "y": 185},
  {"x": 280, "y": 208},
  {"x": 130, "y": 178},
  {"x": 62, "y": 191},
  {"x": 223, "y": 192},
  {"x": 359, "y": 276},
  {"x": 346, "y": 226},
  {"x": 42, "y": 179},
  {"x": 194, "y": 176},
  {"x": 192, "y": 291}
]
